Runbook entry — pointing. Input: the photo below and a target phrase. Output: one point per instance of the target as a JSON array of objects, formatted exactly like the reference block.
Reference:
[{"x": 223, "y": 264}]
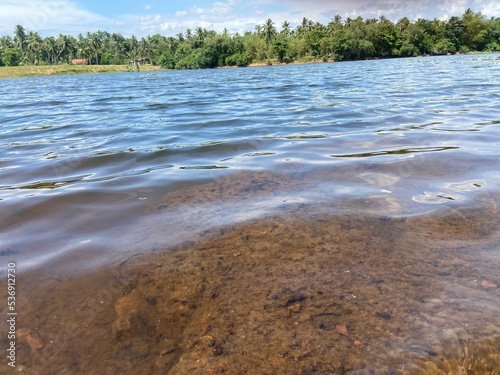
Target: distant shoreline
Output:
[{"x": 68, "y": 69}]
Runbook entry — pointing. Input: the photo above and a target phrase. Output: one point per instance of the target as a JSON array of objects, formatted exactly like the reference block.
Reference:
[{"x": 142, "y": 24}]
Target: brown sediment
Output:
[{"x": 282, "y": 295}]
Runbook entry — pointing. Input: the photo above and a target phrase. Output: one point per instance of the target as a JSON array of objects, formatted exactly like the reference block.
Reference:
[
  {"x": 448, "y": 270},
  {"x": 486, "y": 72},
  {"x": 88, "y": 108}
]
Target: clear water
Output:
[{"x": 95, "y": 169}]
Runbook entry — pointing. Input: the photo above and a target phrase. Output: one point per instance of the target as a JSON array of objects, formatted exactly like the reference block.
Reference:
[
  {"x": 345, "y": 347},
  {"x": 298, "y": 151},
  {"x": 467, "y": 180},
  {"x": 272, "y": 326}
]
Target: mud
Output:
[{"x": 296, "y": 293}]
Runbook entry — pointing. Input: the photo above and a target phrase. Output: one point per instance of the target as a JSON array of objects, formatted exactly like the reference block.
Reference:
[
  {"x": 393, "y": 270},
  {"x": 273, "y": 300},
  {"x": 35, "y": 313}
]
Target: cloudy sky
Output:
[{"x": 141, "y": 18}]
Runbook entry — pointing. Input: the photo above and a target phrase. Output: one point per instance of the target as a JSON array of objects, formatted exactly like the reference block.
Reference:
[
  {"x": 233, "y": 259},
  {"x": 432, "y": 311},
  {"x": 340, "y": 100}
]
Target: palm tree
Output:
[
  {"x": 6, "y": 42},
  {"x": 133, "y": 48},
  {"x": 116, "y": 45},
  {"x": 65, "y": 47},
  {"x": 83, "y": 50},
  {"x": 144, "y": 47},
  {"x": 95, "y": 44},
  {"x": 258, "y": 30},
  {"x": 269, "y": 30},
  {"x": 305, "y": 25},
  {"x": 50, "y": 47},
  {"x": 285, "y": 28},
  {"x": 33, "y": 45},
  {"x": 200, "y": 35},
  {"x": 180, "y": 37},
  {"x": 20, "y": 37}
]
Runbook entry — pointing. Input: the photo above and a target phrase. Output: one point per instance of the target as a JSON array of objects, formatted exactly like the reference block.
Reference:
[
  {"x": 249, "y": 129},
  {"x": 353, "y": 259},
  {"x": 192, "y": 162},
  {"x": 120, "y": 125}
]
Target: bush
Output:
[
  {"x": 166, "y": 60},
  {"x": 243, "y": 59},
  {"x": 408, "y": 50},
  {"x": 238, "y": 59},
  {"x": 493, "y": 47},
  {"x": 207, "y": 58},
  {"x": 109, "y": 58},
  {"x": 463, "y": 49},
  {"x": 231, "y": 60},
  {"x": 443, "y": 47},
  {"x": 10, "y": 57}
]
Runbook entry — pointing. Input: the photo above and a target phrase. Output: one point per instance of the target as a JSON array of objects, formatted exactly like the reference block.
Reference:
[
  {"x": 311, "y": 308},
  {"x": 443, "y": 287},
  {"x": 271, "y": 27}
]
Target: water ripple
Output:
[{"x": 78, "y": 147}]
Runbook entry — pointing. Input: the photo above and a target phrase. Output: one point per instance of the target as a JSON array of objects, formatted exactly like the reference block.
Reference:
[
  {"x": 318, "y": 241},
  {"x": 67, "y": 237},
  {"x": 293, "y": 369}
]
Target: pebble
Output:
[
  {"x": 488, "y": 284},
  {"x": 358, "y": 343},
  {"x": 126, "y": 307},
  {"x": 31, "y": 338},
  {"x": 384, "y": 315},
  {"x": 342, "y": 329}
]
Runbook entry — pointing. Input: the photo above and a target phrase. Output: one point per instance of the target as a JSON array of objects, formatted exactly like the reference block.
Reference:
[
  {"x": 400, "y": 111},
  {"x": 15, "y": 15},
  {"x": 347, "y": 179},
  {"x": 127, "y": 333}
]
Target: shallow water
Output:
[{"x": 295, "y": 177}]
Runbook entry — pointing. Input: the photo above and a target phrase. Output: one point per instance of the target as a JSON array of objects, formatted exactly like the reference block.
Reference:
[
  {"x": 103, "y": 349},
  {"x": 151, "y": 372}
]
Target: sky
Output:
[{"x": 148, "y": 17}]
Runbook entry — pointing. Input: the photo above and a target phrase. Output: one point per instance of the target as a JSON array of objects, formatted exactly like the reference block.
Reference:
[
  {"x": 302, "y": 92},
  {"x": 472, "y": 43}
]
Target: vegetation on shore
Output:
[{"x": 349, "y": 39}]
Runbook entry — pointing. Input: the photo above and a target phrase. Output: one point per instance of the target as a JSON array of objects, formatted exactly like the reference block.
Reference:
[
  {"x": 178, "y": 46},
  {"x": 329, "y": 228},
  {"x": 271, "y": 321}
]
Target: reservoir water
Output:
[{"x": 324, "y": 218}]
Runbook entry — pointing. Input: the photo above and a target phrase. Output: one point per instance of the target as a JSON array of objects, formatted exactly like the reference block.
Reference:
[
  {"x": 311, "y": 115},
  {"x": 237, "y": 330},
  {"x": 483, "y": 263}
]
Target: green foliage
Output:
[
  {"x": 198, "y": 48},
  {"x": 108, "y": 58},
  {"x": 207, "y": 57},
  {"x": 280, "y": 47},
  {"x": 166, "y": 60},
  {"x": 443, "y": 47},
  {"x": 238, "y": 59},
  {"x": 10, "y": 57},
  {"x": 493, "y": 47},
  {"x": 407, "y": 49}
]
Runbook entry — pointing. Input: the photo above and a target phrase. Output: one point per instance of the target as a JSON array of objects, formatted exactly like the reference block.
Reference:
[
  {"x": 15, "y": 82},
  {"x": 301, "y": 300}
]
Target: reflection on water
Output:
[{"x": 345, "y": 222}]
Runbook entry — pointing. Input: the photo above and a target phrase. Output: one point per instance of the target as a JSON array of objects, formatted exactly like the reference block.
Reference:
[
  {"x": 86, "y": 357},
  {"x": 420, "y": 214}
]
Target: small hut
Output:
[
  {"x": 140, "y": 60},
  {"x": 79, "y": 61}
]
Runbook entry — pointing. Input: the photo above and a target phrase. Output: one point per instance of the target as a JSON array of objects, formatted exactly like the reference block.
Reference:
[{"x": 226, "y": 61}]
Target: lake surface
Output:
[{"x": 96, "y": 170}]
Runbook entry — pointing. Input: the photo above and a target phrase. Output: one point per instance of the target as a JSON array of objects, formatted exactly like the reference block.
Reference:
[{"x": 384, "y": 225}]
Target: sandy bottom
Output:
[{"x": 296, "y": 293}]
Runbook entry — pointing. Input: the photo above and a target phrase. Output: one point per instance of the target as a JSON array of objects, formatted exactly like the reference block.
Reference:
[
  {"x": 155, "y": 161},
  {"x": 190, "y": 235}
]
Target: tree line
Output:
[{"x": 349, "y": 39}]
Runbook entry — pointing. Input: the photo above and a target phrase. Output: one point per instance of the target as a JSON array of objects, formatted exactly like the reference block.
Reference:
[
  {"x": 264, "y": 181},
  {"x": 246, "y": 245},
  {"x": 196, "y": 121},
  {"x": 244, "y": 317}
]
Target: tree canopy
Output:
[{"x": 348, "y": 39}]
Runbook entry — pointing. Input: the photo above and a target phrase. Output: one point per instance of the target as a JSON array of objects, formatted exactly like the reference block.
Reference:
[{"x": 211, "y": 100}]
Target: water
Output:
[{"x": 96, "y": 170}]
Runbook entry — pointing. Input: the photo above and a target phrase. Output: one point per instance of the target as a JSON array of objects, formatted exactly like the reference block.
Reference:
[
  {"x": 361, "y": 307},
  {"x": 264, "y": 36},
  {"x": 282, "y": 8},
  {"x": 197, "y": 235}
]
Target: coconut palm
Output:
[
  {"x": 83, "y": 50},
  {"x": 133, "y": 43},
  {"x": 144, "y": 47},
  {"x": 94, "y": 44},
  {"x": 305, "y": 25},
  {"x": 20, "y": 37},
  {"x": 269, "y": 31},
  {"x": 33, "y": 46},
  {"x": 50, "y": 47},
  {"x": 65, "y": 47},
  {"x": 285, "y": 26},
  {"x": 6, "y": 42}
]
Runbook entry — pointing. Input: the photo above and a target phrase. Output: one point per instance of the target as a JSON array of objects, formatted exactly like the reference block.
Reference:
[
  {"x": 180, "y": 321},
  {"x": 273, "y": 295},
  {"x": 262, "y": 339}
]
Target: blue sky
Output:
[{"x": 141, "y": 18}]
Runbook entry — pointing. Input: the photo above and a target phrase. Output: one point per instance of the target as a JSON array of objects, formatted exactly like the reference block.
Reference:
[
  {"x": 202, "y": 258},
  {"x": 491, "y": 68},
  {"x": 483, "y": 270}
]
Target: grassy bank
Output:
[{"x": 49, "y": 70}]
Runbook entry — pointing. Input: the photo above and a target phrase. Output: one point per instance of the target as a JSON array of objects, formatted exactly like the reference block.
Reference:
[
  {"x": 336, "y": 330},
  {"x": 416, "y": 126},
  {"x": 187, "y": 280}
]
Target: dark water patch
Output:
[
  {"x": 396, "y": 152},
  {"x": 204, "y": 167}
]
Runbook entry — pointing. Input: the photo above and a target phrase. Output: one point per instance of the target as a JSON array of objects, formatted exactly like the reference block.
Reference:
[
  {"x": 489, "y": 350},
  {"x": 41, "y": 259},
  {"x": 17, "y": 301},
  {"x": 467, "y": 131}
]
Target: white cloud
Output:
[
  {"x": 46, "y": 16},
  {"x": 324, "y": 10},
  {"x": 217, "y": 15}
]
